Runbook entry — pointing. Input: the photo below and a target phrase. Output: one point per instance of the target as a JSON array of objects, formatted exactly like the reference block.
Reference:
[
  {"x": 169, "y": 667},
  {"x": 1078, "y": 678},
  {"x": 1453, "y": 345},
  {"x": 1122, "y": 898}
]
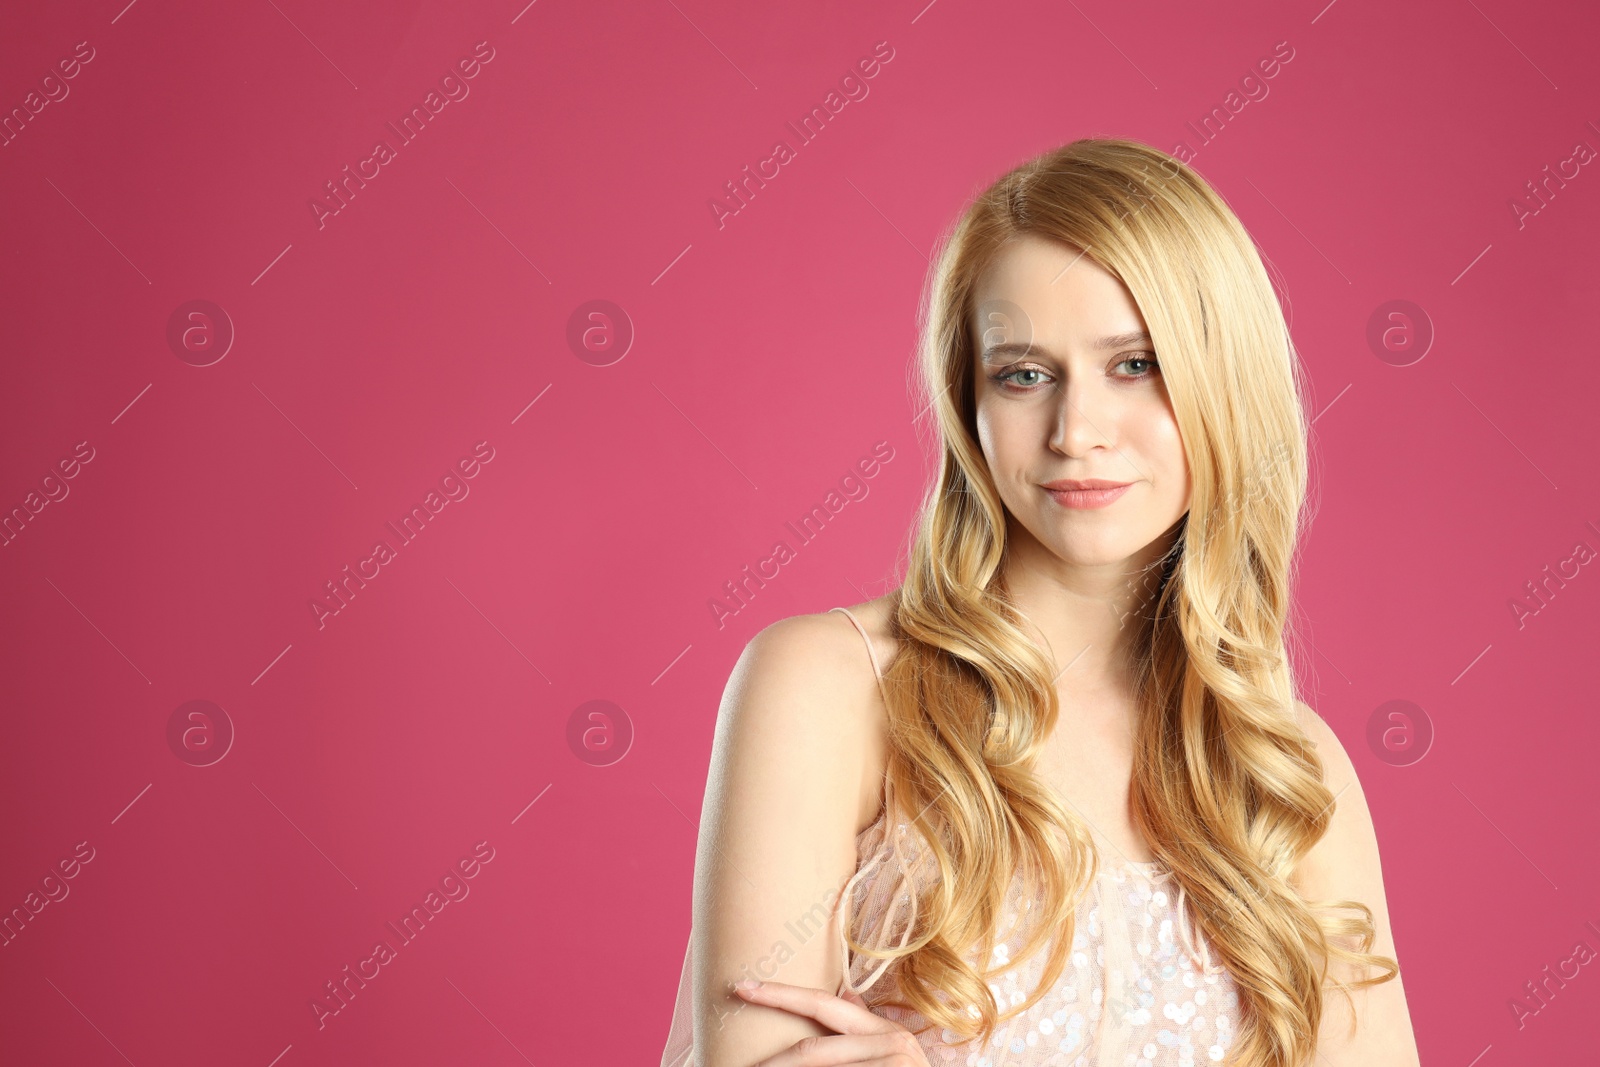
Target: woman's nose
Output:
[{"x": 1083, "y": 419}]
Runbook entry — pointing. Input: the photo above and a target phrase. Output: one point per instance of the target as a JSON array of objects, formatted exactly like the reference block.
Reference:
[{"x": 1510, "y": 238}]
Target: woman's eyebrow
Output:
[
  {"x": 1012, "y": 349},
  {"x": 1122, "y": 340}
]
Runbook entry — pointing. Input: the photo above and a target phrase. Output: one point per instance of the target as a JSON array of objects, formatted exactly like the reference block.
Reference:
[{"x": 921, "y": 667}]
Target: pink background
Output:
[{"x": 373, "y": 752}]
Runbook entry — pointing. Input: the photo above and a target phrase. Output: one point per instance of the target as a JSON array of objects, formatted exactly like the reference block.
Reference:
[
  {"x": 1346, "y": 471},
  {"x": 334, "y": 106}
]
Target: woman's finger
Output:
[
  {"x": 859, "y": 1050},
  {"x": 836, "y": 1013},
  {"x": 859, "y": 1037}
]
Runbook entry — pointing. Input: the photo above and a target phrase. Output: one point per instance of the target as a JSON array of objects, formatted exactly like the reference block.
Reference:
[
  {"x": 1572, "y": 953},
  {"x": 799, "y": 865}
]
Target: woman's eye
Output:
[
  {"x": 1010, "y": 377},
  {"x": 1026, "y": 378}
]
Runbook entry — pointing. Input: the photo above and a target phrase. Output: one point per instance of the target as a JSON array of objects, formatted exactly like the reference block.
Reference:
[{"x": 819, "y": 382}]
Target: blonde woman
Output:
[{"x": 1055, "y": 799}]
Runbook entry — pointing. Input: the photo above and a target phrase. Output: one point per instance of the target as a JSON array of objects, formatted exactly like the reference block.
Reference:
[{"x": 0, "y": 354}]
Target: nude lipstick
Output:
[{"x": 1085, "y": 493}]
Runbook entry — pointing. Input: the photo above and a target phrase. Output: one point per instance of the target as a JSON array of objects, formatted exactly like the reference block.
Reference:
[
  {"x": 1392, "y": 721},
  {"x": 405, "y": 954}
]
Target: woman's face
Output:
[{"x": 1068, "y": 388}]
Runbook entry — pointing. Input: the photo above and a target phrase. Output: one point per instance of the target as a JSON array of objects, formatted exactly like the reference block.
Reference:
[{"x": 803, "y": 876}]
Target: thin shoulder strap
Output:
[
  {"x": 845, "y": 902},
  {"x": 871, "y": 652}
]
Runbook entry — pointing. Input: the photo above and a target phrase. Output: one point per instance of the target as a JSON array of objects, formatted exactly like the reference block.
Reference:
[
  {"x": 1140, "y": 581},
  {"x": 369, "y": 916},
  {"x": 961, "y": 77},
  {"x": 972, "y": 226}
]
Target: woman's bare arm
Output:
[
  {"x": 796, "y": 766},
  {"x": 1344, "y": 865}
]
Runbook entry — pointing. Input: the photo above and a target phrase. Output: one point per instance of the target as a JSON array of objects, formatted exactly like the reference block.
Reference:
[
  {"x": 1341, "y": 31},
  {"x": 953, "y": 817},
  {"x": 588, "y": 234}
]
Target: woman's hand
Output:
[{"x": 860, "y": 1036}]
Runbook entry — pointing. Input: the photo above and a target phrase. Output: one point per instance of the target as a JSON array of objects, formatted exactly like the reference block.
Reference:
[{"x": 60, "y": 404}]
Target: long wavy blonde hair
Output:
[{"x": 1226, "y": 786}]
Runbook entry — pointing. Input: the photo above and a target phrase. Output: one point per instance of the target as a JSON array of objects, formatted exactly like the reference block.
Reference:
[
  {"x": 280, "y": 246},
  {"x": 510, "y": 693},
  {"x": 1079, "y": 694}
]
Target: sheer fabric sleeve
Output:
[
  {"x": 878, "y": 906},
  {"x": 680, "y": 1038}
]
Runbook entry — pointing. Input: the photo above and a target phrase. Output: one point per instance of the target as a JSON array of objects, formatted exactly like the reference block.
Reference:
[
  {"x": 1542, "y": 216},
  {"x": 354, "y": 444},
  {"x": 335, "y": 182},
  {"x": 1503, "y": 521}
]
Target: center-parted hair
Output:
[{"x": 1226, "y": 785}]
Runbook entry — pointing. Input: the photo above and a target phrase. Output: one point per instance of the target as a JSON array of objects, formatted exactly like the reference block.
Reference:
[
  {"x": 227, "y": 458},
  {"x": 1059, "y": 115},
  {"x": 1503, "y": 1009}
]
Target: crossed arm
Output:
[{"x": 795, "y": 772}]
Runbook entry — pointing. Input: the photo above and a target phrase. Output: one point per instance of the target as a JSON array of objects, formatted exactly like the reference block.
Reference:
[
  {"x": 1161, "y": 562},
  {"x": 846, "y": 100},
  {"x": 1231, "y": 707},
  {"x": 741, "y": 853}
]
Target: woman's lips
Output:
[{"x": 1083, "y": 499}]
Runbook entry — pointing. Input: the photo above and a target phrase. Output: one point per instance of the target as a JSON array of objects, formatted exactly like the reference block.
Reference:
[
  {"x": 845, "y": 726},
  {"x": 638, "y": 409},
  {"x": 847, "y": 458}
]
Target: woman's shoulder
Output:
[
  {"x": 826, "y": 642},
  {"x": 818, "y": 668}
]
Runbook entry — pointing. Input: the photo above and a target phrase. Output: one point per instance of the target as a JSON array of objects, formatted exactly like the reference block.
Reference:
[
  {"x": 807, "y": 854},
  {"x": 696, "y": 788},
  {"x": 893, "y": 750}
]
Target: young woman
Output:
[{"x": 1055, "y": 800}]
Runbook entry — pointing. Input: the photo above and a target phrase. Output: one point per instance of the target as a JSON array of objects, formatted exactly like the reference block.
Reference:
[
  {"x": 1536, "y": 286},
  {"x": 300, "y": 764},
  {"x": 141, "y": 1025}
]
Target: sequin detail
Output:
[{"x": 1139, "y": 988}]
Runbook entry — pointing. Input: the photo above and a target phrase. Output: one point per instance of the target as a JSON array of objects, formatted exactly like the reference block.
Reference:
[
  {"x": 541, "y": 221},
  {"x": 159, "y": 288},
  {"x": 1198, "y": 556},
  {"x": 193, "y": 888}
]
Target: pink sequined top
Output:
[{"x": 1139, "y": 988}]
